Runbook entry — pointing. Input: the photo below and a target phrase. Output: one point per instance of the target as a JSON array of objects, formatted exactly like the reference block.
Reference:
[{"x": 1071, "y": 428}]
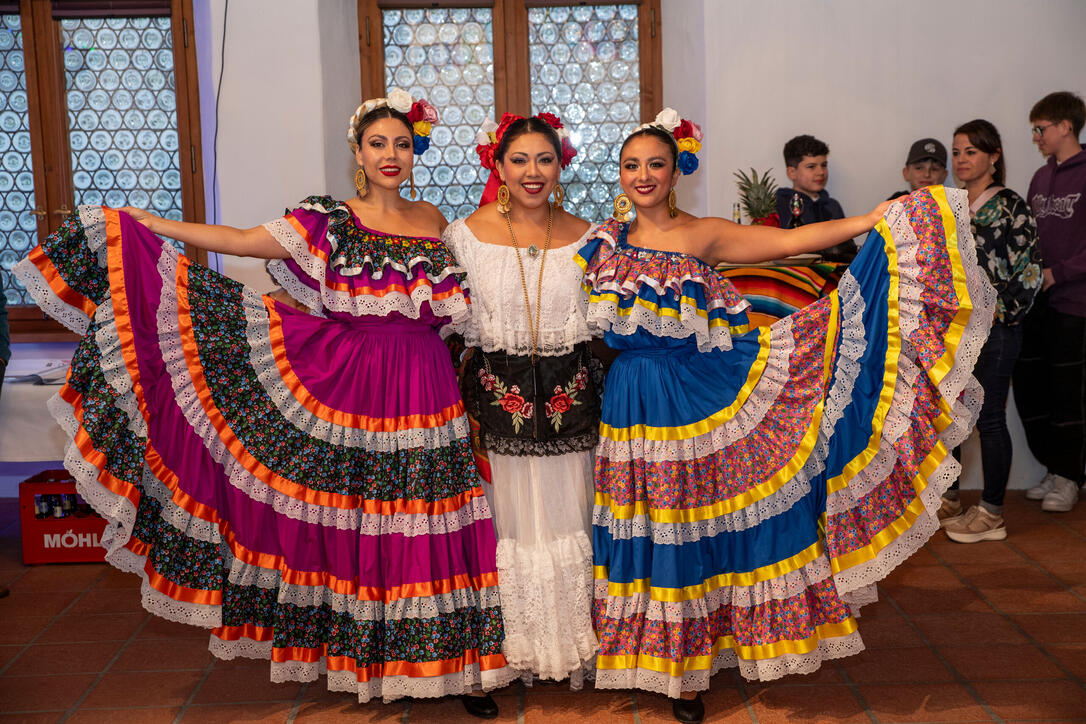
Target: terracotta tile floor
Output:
[{"x": 986, "y": 632}]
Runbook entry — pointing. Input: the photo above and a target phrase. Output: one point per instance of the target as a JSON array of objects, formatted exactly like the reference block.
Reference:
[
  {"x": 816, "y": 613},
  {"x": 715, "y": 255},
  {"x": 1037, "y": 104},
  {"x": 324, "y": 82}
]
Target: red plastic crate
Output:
[{"x": 70, "y": 539}]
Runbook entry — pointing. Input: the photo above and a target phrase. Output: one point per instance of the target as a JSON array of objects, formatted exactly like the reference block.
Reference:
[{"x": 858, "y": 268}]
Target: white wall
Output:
[
  {"x": 290, "y": 84},
  {"x": 868, "y": 77}
]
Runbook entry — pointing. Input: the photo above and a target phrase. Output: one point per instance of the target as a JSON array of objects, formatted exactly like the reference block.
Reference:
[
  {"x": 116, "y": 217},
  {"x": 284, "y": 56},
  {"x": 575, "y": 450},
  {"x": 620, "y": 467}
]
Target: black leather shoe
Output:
[
  {"x": 484, "y": 707},
  {"x": 689, "y": 711}
]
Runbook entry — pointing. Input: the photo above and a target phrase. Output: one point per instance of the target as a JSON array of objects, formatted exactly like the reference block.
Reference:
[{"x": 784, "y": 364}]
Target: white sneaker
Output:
[
  {"x": 1041, "y": 489},
  {"x": 1063, "y": 496}
]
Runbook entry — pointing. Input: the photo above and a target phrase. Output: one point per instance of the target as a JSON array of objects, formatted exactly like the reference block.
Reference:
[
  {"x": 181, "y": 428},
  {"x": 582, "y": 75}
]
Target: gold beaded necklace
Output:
[{"x": 533, "y": 327}]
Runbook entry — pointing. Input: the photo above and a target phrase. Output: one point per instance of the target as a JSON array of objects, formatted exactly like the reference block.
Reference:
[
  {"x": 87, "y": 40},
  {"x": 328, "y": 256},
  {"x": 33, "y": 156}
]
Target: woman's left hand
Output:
[{"x": 880, "y": 210}]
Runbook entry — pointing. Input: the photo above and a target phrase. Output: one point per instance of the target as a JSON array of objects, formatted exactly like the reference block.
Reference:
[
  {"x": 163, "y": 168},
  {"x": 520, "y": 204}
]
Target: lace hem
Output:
[
  {"x": 754, "y": 670},
  {"x": 72, "y": 317},
  {"x": 546, "y": 596},
  {"x": 386, "y": 688}
]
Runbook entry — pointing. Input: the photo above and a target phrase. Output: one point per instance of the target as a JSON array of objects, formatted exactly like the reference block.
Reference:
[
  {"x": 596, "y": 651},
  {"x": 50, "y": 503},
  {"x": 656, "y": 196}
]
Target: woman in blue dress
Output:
[{"x": 752, "y": 484}]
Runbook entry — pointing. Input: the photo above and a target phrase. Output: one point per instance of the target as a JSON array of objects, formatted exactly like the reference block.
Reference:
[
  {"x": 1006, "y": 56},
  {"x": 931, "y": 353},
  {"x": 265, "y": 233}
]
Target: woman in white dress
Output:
[{"x": 534, "y": 388}]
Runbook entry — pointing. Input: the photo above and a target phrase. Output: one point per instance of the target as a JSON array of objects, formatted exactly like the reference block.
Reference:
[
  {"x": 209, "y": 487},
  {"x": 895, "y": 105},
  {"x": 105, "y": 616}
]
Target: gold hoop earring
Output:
[
  {"x": 559, "y": 195},
  {"x": 623, "y": 207},
  {"x": 411, "y": 179},
  {"x": 360, "y": 182},
  {"x": 503, "y": 200},
  {"x": 672, "y": 200}
]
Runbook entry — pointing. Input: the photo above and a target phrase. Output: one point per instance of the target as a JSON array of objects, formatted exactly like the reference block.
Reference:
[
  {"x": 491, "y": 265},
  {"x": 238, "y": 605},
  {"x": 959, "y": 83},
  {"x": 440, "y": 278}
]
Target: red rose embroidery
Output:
[
  {"x": 561, "y": 403},
  {"x": 511, "y": 403}
]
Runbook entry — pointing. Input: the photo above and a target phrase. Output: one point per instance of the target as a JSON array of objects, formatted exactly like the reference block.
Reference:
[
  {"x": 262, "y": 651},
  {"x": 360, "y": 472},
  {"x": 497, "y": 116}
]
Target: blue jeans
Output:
[{"x": 994, "y": 368}]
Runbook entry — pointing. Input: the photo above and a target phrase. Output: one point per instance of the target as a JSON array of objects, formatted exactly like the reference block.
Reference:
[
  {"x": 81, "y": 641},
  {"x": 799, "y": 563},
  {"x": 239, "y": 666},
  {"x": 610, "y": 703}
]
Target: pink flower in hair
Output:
[
  {"x": 421, "y": 110},
  {"x": 688, "y": 129}
]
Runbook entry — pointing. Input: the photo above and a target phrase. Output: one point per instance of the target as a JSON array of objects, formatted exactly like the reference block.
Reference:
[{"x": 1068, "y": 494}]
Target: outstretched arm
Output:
[
  {"x": 737, "y": 244},
  {"x": 257, "y": 241}
]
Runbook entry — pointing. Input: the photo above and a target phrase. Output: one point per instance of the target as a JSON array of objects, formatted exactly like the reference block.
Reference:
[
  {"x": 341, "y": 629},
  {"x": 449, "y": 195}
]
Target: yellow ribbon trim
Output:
[
  {"x": 748, "y": 497},
  {"x": 884, "y": 538},
  {"x": 701, "y": 427},
  {"x": 965, "y": 303},
  {"x": 700, "y": 590},
  {"x": 890, "y": 367},
  {"x": 750, "y": 653},
  {"x": 659, "y": 311}
]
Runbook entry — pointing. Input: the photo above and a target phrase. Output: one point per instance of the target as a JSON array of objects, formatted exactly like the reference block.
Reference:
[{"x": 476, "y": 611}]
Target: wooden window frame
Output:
[
  {"x": 512, "y": 91},
  {"x": 50, "y": 152}
]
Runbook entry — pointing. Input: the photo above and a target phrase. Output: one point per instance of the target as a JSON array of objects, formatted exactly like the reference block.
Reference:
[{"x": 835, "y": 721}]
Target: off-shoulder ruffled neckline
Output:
[
  {"x": 362, "y": 227},
  {"x": 623, "y": 242}
]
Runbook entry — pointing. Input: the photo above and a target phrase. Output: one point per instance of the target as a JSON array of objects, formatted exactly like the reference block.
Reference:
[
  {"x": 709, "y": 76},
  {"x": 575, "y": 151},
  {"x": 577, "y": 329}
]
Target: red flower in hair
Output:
[
  {"x": 486, "y": 150},
  {"x": 507, "y": 120},
  {"x": 568, "y": 152},
  {"x": 688, "y": 129},
  {"x": 552, "y": 120},
  {"x": 486, "y": 154}
]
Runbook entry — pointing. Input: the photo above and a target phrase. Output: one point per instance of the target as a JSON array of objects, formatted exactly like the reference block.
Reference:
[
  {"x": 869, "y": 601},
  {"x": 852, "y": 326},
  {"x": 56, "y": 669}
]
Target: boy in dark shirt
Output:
[
  {"x": 1050, "y": 376},
  {"x": 807, "y": 202},
  {"x": 924, "y": 166}
]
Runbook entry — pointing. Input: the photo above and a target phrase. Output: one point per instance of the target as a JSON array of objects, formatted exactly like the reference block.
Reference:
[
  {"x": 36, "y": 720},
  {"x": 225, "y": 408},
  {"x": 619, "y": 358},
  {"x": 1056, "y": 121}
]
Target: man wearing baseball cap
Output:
[{"x": 924, "y": 166}]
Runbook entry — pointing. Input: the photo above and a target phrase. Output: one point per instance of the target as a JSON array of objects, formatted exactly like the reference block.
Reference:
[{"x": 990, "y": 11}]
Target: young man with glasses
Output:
[{"x": 1050, "y": 377}]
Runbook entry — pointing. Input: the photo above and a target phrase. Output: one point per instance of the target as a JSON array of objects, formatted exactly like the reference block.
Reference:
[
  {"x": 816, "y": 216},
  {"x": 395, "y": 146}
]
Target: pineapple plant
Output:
[{"x": 757, "y": 196}]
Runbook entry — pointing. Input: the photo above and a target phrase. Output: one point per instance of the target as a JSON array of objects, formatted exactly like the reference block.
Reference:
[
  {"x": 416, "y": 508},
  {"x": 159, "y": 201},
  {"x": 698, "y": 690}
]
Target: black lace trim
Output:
[{"x": 527, "y": 447}]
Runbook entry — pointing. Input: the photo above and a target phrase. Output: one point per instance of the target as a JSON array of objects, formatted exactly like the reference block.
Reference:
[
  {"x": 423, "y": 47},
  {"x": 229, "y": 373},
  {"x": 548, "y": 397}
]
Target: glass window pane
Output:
[
  {"x": 122, "y": 113},
  {"x": 584, "y": 66},
  {"x": 447, "y": 57},
  {"x": 18, "y": 227}
]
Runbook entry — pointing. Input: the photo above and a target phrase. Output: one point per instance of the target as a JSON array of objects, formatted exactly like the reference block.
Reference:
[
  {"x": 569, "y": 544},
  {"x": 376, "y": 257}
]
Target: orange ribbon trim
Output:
[
  {"x": 339, "y": 417},
  {"x": 57, "y": 284}
]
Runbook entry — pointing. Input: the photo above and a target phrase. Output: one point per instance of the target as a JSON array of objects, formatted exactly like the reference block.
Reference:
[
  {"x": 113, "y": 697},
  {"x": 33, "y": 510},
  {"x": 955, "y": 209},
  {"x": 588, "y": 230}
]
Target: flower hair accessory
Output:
[
  {"x": 421, "y": 114},
  {"x": 687, "y": 135},
  {"x": 490, "y": 135}
]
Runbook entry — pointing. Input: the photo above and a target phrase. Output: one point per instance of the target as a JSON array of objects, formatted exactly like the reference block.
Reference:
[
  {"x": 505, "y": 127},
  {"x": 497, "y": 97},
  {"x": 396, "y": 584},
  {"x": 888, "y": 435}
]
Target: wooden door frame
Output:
[{"x": 51, "y": 154}]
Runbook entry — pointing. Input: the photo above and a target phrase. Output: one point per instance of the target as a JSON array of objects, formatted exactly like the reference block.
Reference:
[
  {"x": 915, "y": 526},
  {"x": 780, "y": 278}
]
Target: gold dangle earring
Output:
[
  {"x": 360, "y": 182},
  {"x": 623, "y": 207},
  {"x": 503, "y": 200},
  {"x": 559, "y": 195},
  {"x": 672, "y": 200},
  {"x": 411, "y": 179}
]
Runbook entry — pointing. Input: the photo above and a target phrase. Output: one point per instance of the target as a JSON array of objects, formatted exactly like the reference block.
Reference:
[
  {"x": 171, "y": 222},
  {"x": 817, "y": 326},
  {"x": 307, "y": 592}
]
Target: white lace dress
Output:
[{"x": 541, "y": 504}]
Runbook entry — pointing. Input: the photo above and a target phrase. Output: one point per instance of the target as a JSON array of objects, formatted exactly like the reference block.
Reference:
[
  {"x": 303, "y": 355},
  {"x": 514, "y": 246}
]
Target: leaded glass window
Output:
[
  {"x": 447, "y": 57},
  {"x": 122, "y": 113},
  {"x": 18, "y": 227},
  {"x": 584, "y": 66}
]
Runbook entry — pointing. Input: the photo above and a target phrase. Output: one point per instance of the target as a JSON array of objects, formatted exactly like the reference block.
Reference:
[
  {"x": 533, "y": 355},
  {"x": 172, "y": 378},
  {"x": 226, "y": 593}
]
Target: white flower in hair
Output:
[
  {"x": 400, "y": 100},
  {"x": 668, "y": 119},
  {"x": 482, "y": 136}
]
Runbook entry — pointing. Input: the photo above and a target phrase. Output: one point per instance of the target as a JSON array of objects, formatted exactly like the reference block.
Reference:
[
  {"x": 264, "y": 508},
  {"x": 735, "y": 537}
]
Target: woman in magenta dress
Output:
[
  {"x": 302, "y": 485},
  {"x": 752, "y": 484}
]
